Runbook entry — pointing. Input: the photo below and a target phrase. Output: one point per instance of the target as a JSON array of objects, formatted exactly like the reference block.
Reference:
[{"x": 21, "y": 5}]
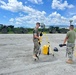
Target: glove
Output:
[{"x": 61, "y": 45}]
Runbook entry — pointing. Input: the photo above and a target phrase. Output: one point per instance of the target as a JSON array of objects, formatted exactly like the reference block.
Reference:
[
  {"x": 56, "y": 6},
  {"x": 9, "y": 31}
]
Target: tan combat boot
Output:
[{"x": 69, "y": 61}]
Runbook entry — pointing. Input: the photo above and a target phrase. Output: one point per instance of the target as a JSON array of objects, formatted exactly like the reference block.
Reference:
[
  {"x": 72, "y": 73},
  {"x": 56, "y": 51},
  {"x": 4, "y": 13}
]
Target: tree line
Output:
[
  {"x": 4, "y": 29},
  {"x": 11, "y": 29}
]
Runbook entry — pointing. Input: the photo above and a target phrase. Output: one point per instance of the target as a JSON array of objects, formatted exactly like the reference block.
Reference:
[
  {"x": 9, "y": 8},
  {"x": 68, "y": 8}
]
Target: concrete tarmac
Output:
[{"x": 16, "y": 51}]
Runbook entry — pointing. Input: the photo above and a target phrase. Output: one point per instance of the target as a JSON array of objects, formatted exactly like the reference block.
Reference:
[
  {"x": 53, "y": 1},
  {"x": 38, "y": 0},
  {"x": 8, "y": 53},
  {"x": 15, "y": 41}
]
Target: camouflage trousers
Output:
[
  {"x": 69, "y": 50},
  {"x": 36, "y": 46}
]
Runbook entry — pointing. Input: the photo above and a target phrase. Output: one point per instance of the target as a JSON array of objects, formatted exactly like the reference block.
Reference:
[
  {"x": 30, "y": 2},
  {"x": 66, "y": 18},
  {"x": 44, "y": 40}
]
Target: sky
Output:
[{"x": 25, "y": 13}]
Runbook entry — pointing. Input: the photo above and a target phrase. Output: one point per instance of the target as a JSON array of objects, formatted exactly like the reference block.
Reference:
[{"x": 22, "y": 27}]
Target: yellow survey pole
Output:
[{"x": 51, "y": 50}]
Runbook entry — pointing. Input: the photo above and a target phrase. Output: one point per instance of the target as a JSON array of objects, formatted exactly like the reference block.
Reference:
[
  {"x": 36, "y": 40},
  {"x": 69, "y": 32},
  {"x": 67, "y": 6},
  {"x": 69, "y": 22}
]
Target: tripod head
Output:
[{"x": 42, "y": 27}]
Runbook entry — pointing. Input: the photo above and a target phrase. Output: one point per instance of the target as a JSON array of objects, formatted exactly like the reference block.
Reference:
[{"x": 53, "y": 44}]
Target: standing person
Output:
[
  {"x": 35, "y": 40},
  {"x": 70, "y": 38}
]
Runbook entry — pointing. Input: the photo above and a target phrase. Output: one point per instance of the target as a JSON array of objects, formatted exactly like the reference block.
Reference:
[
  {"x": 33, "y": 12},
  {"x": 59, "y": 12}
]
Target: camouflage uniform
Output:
[
  {"x": 69, "y": 50},
  {"x": 35, "y": 40},
  {"x": 70, "y": 44}
]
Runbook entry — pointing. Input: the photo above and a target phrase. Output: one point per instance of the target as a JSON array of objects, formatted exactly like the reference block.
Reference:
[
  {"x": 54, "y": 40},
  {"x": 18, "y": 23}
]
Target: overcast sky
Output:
[{"x": 27, "y": 12}]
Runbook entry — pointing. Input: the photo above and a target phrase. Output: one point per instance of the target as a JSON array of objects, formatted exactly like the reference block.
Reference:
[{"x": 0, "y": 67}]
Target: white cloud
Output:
[
  {"x": 30, "y": 18},
  {"x": 74, "y": 19},
  {"x": 15, "y": 6},
  {"x": 33, "y": 15},
  {"x": 11, "y": 20},
  {"x": 36, "y": 1},
  {"x": 18, "y": 23},
  {"x": 52, "y": 19},
  {"x": 57, "y": 4},
  {"x": 56, "y": 19},
  {"x": 12, "y": 5},
  {"x": 54, "y": 14},
  {"x": 21, "y": 14}
]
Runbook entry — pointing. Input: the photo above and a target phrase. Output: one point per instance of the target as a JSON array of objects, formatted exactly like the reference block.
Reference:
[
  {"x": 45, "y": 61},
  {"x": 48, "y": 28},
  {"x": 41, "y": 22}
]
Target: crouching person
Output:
[{"x": 70, "y": 39}]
